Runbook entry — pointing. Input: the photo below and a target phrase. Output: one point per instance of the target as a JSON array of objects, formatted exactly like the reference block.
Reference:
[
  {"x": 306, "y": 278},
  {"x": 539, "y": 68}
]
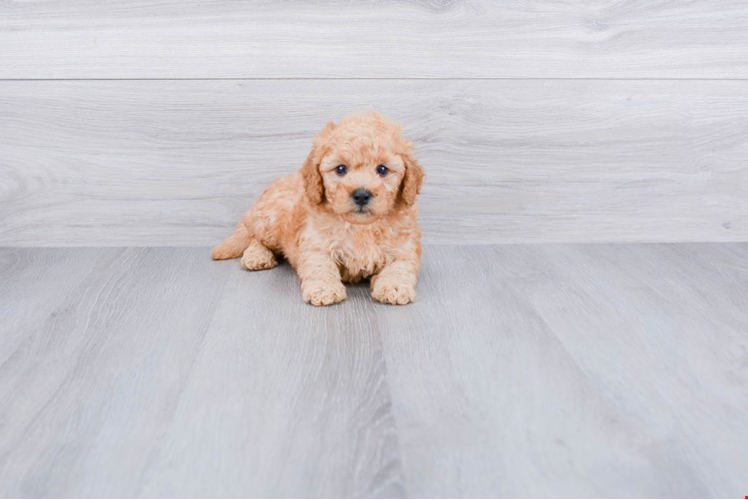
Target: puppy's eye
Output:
[
  {"x": 341, "y": 170},
  {"x": 382, "y": 170}
]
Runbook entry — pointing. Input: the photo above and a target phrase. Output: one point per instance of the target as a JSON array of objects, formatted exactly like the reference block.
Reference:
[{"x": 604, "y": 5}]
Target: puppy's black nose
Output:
[{"x": 361, "y": 196}]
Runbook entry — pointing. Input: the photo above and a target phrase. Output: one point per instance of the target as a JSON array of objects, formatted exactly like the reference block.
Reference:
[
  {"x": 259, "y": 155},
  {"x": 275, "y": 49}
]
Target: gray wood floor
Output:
[
  {"x": 176, "y": 163},
  {"x": 374, "y": 39},
  {"x": 548, "y": 370}
]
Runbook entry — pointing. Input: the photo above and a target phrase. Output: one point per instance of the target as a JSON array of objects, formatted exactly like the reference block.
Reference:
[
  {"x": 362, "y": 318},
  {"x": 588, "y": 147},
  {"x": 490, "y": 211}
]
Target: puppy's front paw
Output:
[
  {"x": 391, "y": 292},
  {"x": 322, "y": 293}
]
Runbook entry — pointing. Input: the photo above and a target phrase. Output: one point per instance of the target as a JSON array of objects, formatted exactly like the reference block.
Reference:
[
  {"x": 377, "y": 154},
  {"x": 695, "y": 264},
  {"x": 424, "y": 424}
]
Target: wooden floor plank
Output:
[
  {"x": 285, "y": 401},
  {"x": 89, "y": 391},
  {"x": 373, "y": 39},
  {"x": 147, "y": 366},
  {"x": 520, "y": 371},
  {"x": 574, "y": 371},
  {"x": 177, "y": 163}
]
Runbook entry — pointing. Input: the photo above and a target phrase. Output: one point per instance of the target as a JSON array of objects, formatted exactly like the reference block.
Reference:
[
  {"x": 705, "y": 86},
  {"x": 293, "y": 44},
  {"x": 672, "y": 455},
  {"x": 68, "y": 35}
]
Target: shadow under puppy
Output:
[{"x": 348, "y": 214}]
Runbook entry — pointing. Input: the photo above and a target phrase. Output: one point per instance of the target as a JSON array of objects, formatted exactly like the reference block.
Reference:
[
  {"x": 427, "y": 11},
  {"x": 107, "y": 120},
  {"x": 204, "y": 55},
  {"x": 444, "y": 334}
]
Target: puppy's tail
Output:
[{"x": 233, "y": 246}]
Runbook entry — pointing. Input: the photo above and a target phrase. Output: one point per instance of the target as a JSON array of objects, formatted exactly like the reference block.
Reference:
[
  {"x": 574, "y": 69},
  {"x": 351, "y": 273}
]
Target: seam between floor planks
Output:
[{"x": 468, "y": 392}]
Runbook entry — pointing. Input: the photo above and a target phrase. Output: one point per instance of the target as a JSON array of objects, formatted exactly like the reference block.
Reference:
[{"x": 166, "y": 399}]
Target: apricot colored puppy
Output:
[{"x": 348, "y": 214}]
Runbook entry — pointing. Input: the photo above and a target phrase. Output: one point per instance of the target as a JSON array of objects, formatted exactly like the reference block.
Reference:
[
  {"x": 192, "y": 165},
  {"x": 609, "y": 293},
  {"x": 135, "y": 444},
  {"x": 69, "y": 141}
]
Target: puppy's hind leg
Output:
[
  {"x": 233, "y": 246},
  {"x": 257, "y": 257}
]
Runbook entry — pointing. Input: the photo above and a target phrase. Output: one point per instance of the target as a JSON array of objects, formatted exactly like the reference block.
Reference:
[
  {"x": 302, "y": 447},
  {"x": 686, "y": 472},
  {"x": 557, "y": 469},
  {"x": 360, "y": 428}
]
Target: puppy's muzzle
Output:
[{"x": 361, "y": 197}]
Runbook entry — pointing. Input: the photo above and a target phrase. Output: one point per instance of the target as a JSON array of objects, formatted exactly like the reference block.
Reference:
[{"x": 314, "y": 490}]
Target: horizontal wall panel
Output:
[
  {"x": 177, "y": 162},
  {"x": 384, "y": 39}
]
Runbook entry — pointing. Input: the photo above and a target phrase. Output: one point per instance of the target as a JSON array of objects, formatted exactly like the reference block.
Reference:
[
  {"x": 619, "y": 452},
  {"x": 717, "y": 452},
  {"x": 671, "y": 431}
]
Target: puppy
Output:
[{"x": 348, "y": 214}]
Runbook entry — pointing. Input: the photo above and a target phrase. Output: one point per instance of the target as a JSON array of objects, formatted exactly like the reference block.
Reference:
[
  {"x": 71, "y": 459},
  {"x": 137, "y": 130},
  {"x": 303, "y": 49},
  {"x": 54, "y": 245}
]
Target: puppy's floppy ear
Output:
[
  {"x": 313, "y": 186},
  {"x": 412, "y": 180},
  {"x": 310, "y": 174}
]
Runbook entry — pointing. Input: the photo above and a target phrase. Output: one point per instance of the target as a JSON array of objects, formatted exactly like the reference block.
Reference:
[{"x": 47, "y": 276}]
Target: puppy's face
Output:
[
  {"x": 362, "y": 169},
  {"x": 361, "y": 179}
]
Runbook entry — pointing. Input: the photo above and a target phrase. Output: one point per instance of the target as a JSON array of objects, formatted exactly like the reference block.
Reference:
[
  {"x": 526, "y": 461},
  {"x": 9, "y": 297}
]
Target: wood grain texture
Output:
[
  {"x": 574, "y": 371},
  {"x": 374, "y": 39},
  {"x": 545, "y": 370},
  {"x": 176, "y": 163},
  {"x": 158, "y": 355}
]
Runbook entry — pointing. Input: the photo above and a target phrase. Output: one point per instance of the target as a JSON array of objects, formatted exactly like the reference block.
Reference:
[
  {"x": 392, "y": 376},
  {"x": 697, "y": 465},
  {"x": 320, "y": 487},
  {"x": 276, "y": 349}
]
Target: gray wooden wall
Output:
[{"x": 157, "y": 123}]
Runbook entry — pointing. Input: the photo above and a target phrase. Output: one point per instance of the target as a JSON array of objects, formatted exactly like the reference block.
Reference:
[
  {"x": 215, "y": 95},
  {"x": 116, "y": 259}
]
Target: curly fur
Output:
[{"x": 309, "y": 217}]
